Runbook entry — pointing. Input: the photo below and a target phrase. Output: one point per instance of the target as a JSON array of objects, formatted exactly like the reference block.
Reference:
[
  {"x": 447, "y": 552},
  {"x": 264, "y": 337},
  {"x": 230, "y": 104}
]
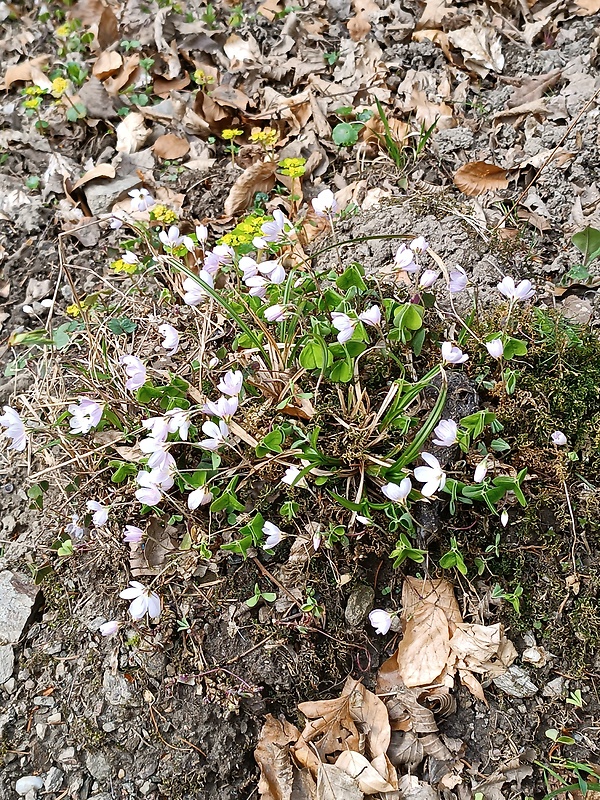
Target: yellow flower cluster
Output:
[
  {"x": 245, "y": 231},
  {"x": 231, "y": 133},
  {"x": 63, "y": 31},
  {"x": 59, "y": 87},
  {"x": 73, "y": 310},
  {"x": 122, "y": 266},
  {"x": 33, "y": 102},
  {"x": 268, "y": 136},
  {"x": 163, "y": 214},
  {"x": 292, "y": 167},
  {"x": 33, "y": 91},
  {"x": 201, "y": 78}
]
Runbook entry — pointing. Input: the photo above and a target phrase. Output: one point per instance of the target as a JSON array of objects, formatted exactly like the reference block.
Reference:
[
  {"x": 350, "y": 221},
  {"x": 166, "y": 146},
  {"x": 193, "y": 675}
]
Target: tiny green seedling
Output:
[
  {"x": 268, "y": 597},
  {"x": 575, "y": 699}
]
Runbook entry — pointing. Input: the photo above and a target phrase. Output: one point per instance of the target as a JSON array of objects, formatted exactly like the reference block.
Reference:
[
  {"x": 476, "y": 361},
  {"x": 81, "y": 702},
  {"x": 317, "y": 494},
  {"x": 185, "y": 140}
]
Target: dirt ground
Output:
[{"x": 176, "y": 715}]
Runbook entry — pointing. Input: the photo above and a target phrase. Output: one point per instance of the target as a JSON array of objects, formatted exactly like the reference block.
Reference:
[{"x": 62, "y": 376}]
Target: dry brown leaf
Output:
[
  {"x": 108, "y": 29},
  {"x": 423, "y": 652},
  {"x": 108, "y": 63},
  {"x": 87, "y": 11},
  {"x": 131, "y": 133},
  {"x": 162, "y": 87},
  {"x": 99, "y": 171},
  {"x": 272, "y": 755},
  {"x": 475, "y": 645},
  {"x": 171, "y": 146},
  {"x": 369, "y": 710},
  {"x": 334, "y": 783},
  {"x": 269, "y": 9},
  {"x": 242, "y": 54},
  {"x": 480, "y": 47},
  {"x": 433, "y": 14},
  {"x": 439, "y": 593},
  {"x": 331, "y": 721},
  {"x": 534, "y": 88},
  {"x": 228, "y": 96},
  {"x": 366, "y": 776},
  {"x": 259, "y": 177},
  {"x": 478, "y": 177},
  {"x": 125, "y": 76},
  {"x": 366, "y": 11},
  {"x": 28, "y": 71},
  {"x": 533, "y": 107},
  {"x": 472, "y": 684},
  {"x": 411, "y": 788},
  {"x": 587, "y": 7}
]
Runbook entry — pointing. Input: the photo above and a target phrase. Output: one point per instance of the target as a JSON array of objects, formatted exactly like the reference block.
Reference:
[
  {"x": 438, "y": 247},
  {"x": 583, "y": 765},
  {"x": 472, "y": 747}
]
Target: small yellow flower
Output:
[
  {"x": 122, "y": 266},
  {"x": 231, "y": 133},
  {"x": 201, "y": 78},
  {"x": 73, "y": 310},
  {"x": 268, "y": 136},
  {"x": 33, "y": 91},
  {"x": 163, "y": 214},
  {"x": 33, "y": 102},
  {"x": 59, "y": 87},
  {"x": 63, "y": 31},
  {"x": 293, "y": 167}
]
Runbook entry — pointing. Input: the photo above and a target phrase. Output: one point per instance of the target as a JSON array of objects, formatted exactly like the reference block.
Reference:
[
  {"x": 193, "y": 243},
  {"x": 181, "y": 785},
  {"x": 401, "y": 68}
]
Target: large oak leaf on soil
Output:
[{"x": 478, "y": 177}]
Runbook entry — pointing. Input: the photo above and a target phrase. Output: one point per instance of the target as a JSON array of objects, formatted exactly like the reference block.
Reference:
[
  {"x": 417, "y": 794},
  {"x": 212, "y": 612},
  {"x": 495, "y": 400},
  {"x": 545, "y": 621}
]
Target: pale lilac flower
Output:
[
  {"x": 344, "y": 325},
  {"x": 325, "y": 203},
  {"x": 100, "y": 515},
  {"x": 446, "y": 433},
  {"x": 495, "y": 348},
  {"x": 428, "y": 278},
  {"x": 257, "y": 285},
  {"x": 274, "y": 270},
  {"x": 194, "y": 293},
  {"x": 171, "y": 340},
  {"x": 73, "y": 528},
  {"x": 117, "y": 219},
  {"x": 274, "y": 535},
  {"x": 130, "y": 258},
  {"x": 276, "y": 313},
  {"x": 201, "y": 236},
  {"x": 419, "y": 245},
  {"x": 224, "y": 407},
  {"x": 504, "y": 518},
  {"x": 259, "y": 243},
  {"x": 276, "y": 230},
  {"x": 559, "y": 438},
  {"x": 15, "y": 429},
  {"x": 249, "y": 267},
  {"x": 405, "y": 259},
  {"x": 364, "y": 520},
  {"x": 149, "y": 494},
  {"x": 170, "y": 238},
  {"x": 217, "y": 435},
  {"x": 397, "y": 492},
  {"x": 109, "y": 628},
  {"x": 141, "y": 200},
  {"x": 380, "y": 620},
  {"x": 523, "y": 291},
  {"x": 291, "y": 478},
  {"x": 452, "y": 354},
  {"x": 158, "y": 427},
  {"x": 135, "y": 370},
  {"x": 179, "y": 422},
  {"x": 481, "y": 471},
  {"x": 86, "y": 415},
  {"x": 133, "y": 534},
  {"x": 219, "y": 255},
  {"x": 432, "y": 476},
  {"x": 371, "y": 317},
  {"x": 199, "y": 497},
  {"x": 231, "y": 383},
  {"x": 145, "y": 601},
  {"x": 458, "y": 280}
]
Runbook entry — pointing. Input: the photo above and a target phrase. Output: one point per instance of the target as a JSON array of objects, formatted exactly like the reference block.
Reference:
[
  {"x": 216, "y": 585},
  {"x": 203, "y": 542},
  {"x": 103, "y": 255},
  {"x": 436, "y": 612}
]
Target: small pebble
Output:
[{"x": 28, "y": 783}]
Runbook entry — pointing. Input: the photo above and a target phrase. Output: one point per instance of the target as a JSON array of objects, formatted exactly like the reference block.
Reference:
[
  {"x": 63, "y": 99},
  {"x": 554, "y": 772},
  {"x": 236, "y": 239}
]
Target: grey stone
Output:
[
  {"x": 7, "y": 662},
  {"x": 17, "y": 600},
  {"x": 28, "y": 783},
  {"x": 54, "y": 779},
  {"x": 98, "y": 766},
  {"x": 554, "y": 688},
  {"x": 516, "y": 682},
  {"x": 116, "y": 689},
  {"x": 359, "y": 604},
  {"x": 101, "y": 196}
]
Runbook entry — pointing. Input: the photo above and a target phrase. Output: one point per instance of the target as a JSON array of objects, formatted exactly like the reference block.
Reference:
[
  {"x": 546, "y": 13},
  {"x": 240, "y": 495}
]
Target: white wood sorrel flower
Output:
[
  {"x": 135, "y": 371},
  {"x": 217, "y": 435},
  {"x": 15, "y": 429},
  {"x": 100, "y": 515},
  {"x": 144, "y": 601},
  {"x": 523, "y": 291},
  {"x": 86, "y": 415},
  {"x": 381, "y": 620},
  {"x": 445, "y": 433},
  {"x": 397, "y": 492},
  {"x": 325, "y": 203},
  {"x": 452, "y": 354},
  {"x": 432, "y": 476},
  {"x": 231, "y": 383},
  {"x": 171, "y": 340}
]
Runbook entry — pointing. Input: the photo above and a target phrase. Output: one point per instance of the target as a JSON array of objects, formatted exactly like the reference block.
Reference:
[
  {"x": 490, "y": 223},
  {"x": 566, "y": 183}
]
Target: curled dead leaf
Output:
[
  {"x": 478, "y": 177},
  {"x": 99, "y": 171},
  {"x": 259, "y": 177},
  {"x": 366, "y": 776},
  {"x": 131, "y": 133},
  {"x": 272, "y": 755},
  {"x": 28, "y": 71},
  {"x": 171, "y": 146},
  {"x": 108, "y": 63}
]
